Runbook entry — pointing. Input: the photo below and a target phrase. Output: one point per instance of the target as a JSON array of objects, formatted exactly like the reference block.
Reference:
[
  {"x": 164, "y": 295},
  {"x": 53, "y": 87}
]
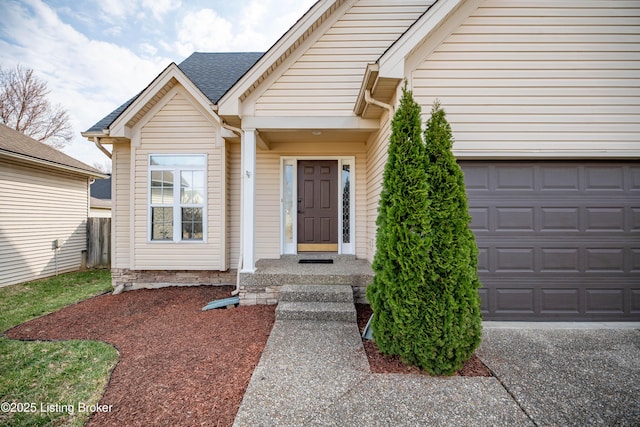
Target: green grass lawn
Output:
[{"x": 43, "y": 383}]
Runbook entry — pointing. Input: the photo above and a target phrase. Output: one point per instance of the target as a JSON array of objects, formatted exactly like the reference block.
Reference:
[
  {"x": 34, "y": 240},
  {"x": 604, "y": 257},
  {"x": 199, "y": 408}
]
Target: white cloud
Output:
[
  {"x": 204, "y": 30},
  {"x": 87, "y": 77},
  {"x": 159, "y": 8},
  {"x": 117, "y": 9},
  {"x": 257, "y": 26},
  {"x": 148, "y": 49}
]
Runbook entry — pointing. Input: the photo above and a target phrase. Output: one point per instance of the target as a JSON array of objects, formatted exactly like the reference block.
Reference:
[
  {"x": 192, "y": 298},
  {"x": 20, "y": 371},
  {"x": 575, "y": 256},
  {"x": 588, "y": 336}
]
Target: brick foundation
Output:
[{"x": 151, "y": 279}]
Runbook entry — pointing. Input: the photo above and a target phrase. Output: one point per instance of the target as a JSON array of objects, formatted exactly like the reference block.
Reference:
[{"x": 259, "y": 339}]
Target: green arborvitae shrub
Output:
[
  {"x": 453, "y": 319},
  {"x": 424, "y": 295},
  {"x": 402, "y": 243}
]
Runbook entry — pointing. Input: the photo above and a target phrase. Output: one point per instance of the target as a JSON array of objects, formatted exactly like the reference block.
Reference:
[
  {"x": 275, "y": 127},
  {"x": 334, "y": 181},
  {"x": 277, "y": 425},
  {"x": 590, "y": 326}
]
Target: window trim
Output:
[{"x": 177, "y": 205}]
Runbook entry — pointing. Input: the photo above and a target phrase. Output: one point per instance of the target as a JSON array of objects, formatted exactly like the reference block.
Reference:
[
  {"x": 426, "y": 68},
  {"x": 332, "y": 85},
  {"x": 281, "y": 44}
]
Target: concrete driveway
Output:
[{"x": 568, "y": 374}]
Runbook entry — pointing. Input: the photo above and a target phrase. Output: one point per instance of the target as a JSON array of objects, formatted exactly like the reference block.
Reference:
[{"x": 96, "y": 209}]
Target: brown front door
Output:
[{"x": 318, "y": 205}]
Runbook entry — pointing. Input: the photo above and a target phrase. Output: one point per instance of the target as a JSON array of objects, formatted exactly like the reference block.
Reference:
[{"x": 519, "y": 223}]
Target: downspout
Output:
[
  {"x": 369, "y": 100},
  {"x": 236, "y": 291},
  {"x": 96, "y": 140}
]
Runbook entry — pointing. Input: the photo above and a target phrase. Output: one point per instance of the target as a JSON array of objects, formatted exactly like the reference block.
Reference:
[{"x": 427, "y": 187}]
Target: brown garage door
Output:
[{"x": 557, "y": 240}]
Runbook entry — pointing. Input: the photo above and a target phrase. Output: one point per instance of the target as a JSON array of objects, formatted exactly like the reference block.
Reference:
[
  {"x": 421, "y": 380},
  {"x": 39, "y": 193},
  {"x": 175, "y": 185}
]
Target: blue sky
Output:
[{"x": 96, "y": 54}]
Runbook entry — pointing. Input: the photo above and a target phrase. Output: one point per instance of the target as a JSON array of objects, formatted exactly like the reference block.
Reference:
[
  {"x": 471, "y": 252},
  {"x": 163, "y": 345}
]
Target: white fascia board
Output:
[
  {"x": 229, "y": 104},
  {"x": 311, "y": 122},
  {"x": 392, "y": 62},
  {"x": 119, "y": 129}
]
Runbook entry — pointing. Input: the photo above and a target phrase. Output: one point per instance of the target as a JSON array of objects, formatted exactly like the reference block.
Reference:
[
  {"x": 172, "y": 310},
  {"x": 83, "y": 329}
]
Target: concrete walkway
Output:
[{"x": 316, "y": 373}]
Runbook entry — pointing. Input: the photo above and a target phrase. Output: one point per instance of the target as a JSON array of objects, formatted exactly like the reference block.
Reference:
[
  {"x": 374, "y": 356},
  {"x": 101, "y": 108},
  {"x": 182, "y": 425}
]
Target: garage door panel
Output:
[
  {"x": 560, "y": 260},
  {"x": 560, "y": 301},
  {"x": 604, "y": 260},
  {"x": 559, "y": 178},
  {"x": 515, "y": 218},
  {"x": 514, "y": 178},
  {"x": 605, "y": 301},
  {"x": 562, "y": 219},
  {"x": 635, "y": 301},
  {"x": 605, "y": 219},
  {"x": 634, "y": 215},
  {"x": 604, "y": 178},
  {"x": 557, "y": 240}
]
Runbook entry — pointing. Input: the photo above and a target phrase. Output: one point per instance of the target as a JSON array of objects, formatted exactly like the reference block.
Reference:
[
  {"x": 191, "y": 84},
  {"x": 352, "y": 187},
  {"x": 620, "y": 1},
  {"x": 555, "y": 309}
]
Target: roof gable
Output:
[
  {"x": 17, "y": 145},
  {"x": 227, "y": 67},
  {"x": 299, "y": 33}
]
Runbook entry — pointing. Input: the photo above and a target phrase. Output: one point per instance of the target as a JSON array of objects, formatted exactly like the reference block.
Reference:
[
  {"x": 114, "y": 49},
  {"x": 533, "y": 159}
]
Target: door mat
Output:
[{"x": 315, "y": 261}]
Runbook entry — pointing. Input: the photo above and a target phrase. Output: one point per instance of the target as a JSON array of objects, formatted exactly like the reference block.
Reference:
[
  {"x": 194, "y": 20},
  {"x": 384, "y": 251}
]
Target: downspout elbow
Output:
[
  {"x": 233, "y": 129},
  {"x": 370, "y": 100},
  {"x": 96, "y": 140}
]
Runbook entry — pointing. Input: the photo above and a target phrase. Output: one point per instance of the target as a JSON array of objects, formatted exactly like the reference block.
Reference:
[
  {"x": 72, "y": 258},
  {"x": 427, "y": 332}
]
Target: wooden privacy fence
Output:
[{"x": 98, "y": 242}]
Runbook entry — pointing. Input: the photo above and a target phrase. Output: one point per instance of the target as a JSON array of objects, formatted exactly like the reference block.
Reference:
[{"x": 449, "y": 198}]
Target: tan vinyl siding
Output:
[
  {"x": 539, "y": 75},
  {"x": 267, "y": 238},
  {"x": 361, "y": 206},
  {"x": 38, "y": 206},
  {"x": 326, "y": 79},
  {"x": 180, "y": 127},
  {"x": 377, "y": 158},
  {"x": 233, "y": 155},
  {"x": 121, "y": 205}
]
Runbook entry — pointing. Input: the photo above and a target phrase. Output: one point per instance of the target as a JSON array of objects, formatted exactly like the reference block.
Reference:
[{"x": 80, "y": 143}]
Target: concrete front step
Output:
[
  {"x": 316, "y": 293},
  {"x": 304, "y": 310}
]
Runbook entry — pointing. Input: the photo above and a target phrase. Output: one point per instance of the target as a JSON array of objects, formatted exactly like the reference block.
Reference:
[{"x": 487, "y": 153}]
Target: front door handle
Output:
[{"x": 300, "y": 211}]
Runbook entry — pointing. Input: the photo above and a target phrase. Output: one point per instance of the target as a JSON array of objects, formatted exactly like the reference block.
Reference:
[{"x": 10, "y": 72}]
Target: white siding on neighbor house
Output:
[
  {"x": 180, "y": 127},
  {"x": 38, "y": 206},
  {"x": 121, "y": 207},
  {"x": 326, "y": 79},
  {"x": 539, "y": 75},
  {"x": 268, "y": 188}
]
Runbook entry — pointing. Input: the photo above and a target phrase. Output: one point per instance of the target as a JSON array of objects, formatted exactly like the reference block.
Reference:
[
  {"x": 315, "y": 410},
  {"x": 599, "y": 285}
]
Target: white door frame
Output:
[{"x": 288, "y": 205}]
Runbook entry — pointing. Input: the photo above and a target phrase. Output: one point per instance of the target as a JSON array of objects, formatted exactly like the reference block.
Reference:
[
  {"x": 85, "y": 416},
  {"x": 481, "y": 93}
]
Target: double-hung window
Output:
[{"x": 177, "y": 197}]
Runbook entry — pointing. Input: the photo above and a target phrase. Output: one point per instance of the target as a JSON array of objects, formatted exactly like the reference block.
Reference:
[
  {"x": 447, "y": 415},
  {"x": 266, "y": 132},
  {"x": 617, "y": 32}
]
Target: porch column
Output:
[{"x": 248, "y": 218}]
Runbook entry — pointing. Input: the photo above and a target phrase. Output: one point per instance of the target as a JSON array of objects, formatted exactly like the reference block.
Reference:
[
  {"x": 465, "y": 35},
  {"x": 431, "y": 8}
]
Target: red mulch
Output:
[
  {"x": 178, "y": 365},
  {"x": 384, "y": 364}
]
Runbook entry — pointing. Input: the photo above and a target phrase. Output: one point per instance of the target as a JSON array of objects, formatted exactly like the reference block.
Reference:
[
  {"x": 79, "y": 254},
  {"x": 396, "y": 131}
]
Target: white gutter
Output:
[
  {"x": 236, "y": 291},
  {"x": 369, "y": 100}
]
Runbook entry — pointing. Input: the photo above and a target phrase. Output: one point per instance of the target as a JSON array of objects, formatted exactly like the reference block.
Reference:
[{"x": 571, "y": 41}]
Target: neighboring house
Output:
[
  {"x": 100, "y": 198},
  {"x": 44, "y": 203},
  {"x": 222, "y": 157}
]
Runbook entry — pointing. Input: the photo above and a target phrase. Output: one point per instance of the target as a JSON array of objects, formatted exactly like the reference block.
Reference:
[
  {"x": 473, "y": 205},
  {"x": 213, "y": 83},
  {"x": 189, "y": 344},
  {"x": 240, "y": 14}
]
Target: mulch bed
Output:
[
  {"x": 178, "y": 365},
  {"x": 384, "y": 364}
]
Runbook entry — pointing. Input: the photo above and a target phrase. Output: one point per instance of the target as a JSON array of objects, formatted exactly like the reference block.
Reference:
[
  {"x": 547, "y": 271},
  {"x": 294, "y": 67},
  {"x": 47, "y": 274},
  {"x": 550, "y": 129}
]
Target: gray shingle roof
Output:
[
  {"x": 101, "y": 189},
  {"x": 16, "y": 143},
  {"x": 213, "y": 73}
]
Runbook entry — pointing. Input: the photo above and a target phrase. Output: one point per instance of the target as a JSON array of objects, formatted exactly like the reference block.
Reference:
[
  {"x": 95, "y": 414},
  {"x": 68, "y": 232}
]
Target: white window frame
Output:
[
  {"x": 177, "y": 205},
  {"x": 291, "y": 248}
]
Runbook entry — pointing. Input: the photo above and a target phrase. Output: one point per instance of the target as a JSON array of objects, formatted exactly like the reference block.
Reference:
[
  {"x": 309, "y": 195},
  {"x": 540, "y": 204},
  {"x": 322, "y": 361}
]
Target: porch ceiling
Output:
[{"x": 314, "y": 136}]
